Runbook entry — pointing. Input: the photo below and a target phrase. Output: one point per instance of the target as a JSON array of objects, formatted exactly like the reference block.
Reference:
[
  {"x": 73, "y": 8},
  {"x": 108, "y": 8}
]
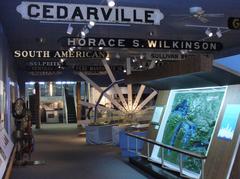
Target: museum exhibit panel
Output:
[{"x": 119, "y": 89}]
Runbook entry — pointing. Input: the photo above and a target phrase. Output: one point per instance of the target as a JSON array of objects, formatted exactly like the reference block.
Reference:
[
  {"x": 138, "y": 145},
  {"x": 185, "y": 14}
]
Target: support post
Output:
[
  {"x": 79, "y": 105},
  {"x": 37, "y": 106}
]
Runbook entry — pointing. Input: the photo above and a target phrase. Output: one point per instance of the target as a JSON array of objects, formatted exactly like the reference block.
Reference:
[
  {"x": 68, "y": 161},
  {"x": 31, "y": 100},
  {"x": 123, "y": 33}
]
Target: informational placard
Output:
[
  {"x": 6, "y": 147},
  {"x": 229, "y": 122},
  {"x": 44, "y": 11},
  {"x": 157, "y": 114}
]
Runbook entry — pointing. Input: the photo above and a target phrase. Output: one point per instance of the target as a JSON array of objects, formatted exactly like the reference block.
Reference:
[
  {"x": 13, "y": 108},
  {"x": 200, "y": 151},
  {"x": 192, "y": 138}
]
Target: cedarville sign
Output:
[{"x": 44, "y": 11}]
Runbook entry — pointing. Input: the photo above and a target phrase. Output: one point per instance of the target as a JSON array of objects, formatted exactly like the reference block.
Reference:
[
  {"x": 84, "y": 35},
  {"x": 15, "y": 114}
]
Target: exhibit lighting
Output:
[
  {"x": 62, "y": 60},
  {"x": 69, "y": 29},
  {"x": 208, "y": 32},
  {"x": 100, "y": 48},
  {"x": 124, "y": 71},
  {"x": 91, "y": 24},
  {"x": 156, "y": 61},
  {"x": 107, "y": 58},
  {"x": 219, "y": 33},
  {"x": 134, "y": 59},
  {"x": 83, "y": 34},
  {"x": 111, "y": 3},
  {"x": 141, "y": 57},
  {"x": 140, "y": 66},
  {"x": 72, "y": 48}
]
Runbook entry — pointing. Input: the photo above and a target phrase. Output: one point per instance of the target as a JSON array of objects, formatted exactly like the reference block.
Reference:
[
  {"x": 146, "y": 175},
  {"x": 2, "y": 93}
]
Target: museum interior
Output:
[{"x": 119, "y": 89}]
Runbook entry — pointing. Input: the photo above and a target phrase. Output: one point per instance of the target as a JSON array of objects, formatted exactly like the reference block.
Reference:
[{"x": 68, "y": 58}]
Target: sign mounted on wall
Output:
[
  {"x": 234, "y": 23},
  {"x": 140, "y": 43},
  {"x": 21, "y": 54},
  {"x": 43, "y": 11}
]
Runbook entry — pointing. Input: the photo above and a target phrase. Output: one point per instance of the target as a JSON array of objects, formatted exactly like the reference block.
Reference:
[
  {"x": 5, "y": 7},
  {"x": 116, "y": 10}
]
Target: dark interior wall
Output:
[{"x": 7, "y": 75}]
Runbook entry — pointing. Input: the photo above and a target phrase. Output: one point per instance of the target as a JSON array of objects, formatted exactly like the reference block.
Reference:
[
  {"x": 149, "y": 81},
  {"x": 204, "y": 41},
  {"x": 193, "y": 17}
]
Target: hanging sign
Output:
[
  {"x": 170, "y": 56},
  {"x": 42, "y": 66},
  {"x": 21, "y": 54},
  {"x": 43, "y": 11},
  {"x": 234, "y": 23},
  {"x": 97, "y": 70},
  {"x": 141, "y": 43}
]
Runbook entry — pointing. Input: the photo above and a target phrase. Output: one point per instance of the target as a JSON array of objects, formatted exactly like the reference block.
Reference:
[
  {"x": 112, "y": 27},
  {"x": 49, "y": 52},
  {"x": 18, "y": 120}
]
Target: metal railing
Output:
[{"x": 168, "y": 147}]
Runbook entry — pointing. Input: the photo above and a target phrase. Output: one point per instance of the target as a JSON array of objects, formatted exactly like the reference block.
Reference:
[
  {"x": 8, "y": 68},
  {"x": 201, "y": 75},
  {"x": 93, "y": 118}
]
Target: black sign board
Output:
[
  {"x": 140, "y": 43},
  {"x": 27, "y": 54},
  {"x": 234, "y": 23}
]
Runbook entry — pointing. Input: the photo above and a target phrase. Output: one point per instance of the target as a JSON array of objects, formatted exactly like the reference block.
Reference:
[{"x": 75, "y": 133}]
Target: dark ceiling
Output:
[{"x": 24, "y": 34}]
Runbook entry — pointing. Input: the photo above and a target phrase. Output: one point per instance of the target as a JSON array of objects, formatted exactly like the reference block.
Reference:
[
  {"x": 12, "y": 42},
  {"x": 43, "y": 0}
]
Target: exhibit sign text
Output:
[
  {"x": 21, "y": 54},
  {"x": 141, "y": 43},
  {"x": 234, "y": 23},
  {"x": 43, "y": 11}
]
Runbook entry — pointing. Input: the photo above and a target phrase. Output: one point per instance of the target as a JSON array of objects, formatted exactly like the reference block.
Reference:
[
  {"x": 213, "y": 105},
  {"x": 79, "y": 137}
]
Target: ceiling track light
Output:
[
  {"x": 111, "y": 3},
  {"x": 91, "y": 24},
  {"x": 219, "y": 33},
  {"x": 72, "y": 48},
  {"x": 69, "y": 29},
  {"x": 208, "y": 32}
]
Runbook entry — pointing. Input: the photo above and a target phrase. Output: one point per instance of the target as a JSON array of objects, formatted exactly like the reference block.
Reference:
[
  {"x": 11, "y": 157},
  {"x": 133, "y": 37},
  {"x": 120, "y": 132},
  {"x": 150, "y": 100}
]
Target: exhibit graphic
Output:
[
  {"x": 188, "y": 124},
  {"x": 229, "y": 122},
  {"x": 157, "y": 114}
]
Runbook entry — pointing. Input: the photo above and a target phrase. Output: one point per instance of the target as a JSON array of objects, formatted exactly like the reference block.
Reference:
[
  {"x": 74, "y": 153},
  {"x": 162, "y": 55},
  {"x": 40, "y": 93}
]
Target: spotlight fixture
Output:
[
  {"x": 124, "y": 71},
  {"x": 140, "y": 66},
  {"x": 100, "y": 48},
  {"x": 156, "y": 61},
  {"x": 107, "y": 58},
  {"x": 183, "y": 52},
  {"x": 83, "y": 34},
  {"x": 69, "y": 29},
  {"x": 91, "y": 24},
  {"x": 208, "y": 32},
  {"x": 141, "y": 57},
  {"x": 72, "y": 48},
  {"x": 62, "y": 60},
  {"x": 219, "y": 33},
  {"x": 134, "y": 59},
  {"x": 111, "y": 3}
]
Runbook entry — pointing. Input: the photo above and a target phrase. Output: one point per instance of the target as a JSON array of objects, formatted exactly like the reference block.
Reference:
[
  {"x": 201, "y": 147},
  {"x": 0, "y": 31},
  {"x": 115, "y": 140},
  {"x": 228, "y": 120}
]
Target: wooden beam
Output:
[
  {"x": 147, "y": 100},
  {"x": 142, "y": 88},
  {"x": 116, "y": 87},
  {"x": 114, "y": 102},
  {"x": 129, "y": 86}
]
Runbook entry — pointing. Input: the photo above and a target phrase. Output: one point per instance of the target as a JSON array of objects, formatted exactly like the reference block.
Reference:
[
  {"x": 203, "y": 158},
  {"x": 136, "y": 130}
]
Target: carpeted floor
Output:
[{"x": 67, "y": 156}]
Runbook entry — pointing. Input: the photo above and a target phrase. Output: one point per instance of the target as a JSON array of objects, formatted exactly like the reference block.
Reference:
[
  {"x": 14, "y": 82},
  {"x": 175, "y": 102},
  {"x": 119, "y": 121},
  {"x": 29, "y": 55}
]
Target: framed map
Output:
[{"x": 188, "y": 123}]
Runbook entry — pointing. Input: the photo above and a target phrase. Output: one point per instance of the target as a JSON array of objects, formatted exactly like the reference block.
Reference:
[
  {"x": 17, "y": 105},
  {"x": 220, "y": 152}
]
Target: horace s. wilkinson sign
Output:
[
  {"x": 44, "y": 11},
  {"x": 141, "y": 43}
]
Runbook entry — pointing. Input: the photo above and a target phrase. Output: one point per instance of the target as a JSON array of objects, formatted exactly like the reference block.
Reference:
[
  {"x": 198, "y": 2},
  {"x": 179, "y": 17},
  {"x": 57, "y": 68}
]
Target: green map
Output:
[{"x": 190, "y": 124}]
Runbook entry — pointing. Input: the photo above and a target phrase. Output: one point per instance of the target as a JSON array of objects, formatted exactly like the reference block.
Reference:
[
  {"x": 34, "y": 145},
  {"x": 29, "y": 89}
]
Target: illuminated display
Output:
[
  {"x": 229, "y": 121},
  {"x": 188, "y": 123}
]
